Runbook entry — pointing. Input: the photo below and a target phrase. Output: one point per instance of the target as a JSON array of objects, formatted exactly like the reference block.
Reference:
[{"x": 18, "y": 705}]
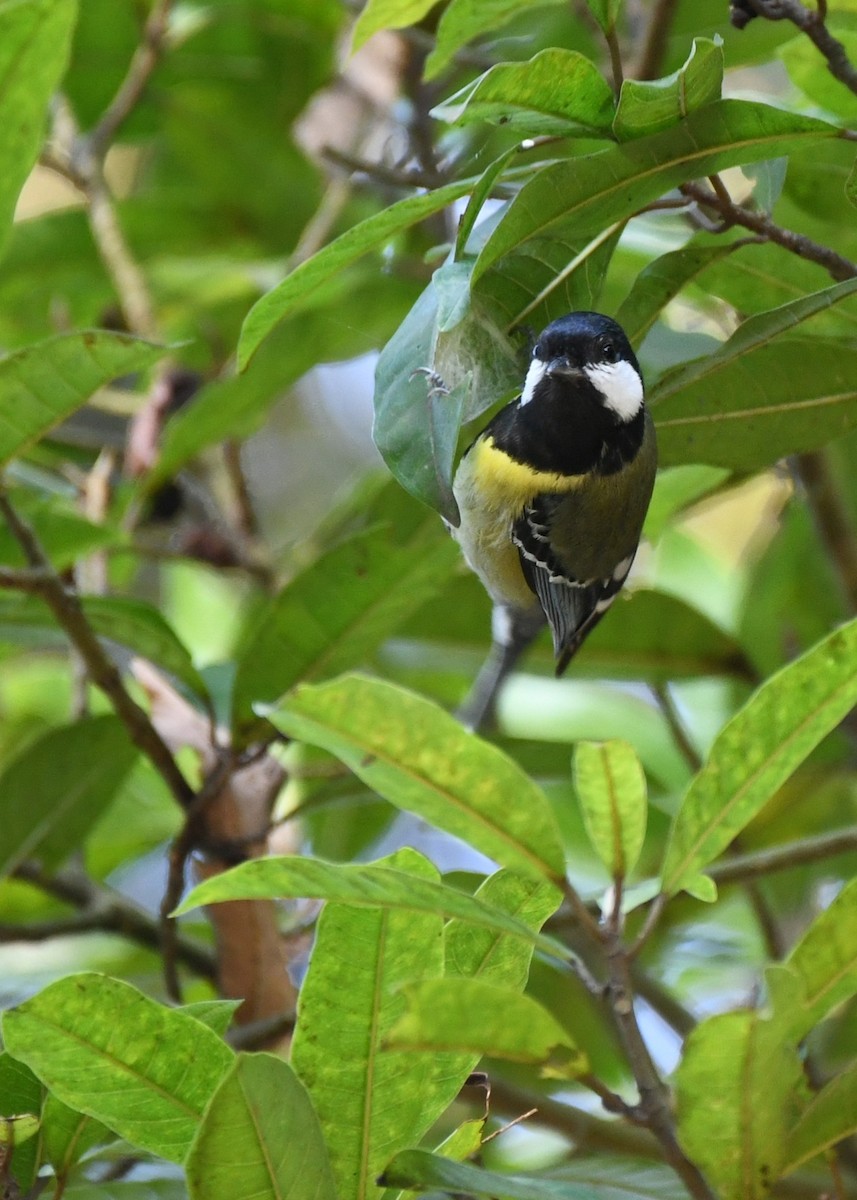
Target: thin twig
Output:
[
  {"x": 801, "y": 853},
  {"x": 731, "y": 213},
  {"x": 182, "y": 847},
  {"x": 102, "y": 909},
  {"x": 67, "y": 609},
  {"x": 615, "y": 59},
  {"x": 666, "y": 704},
  {"x": 658, "y": 31},
  {"x": 811, "y": 22},
  {"x": 144, "y": 61},
  {"x": 653, "y": 1109}
]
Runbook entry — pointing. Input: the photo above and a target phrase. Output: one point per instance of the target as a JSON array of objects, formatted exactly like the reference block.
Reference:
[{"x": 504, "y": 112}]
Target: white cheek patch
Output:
[
  {"x": 535, "y": 375},
  {"x": 620, "y": 385}
]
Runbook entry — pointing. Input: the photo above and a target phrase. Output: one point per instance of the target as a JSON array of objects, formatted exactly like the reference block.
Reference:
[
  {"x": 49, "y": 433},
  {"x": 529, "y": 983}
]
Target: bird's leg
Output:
[
  {"x": 511, "y": 632},
  {"x": 437, "y": 386}
]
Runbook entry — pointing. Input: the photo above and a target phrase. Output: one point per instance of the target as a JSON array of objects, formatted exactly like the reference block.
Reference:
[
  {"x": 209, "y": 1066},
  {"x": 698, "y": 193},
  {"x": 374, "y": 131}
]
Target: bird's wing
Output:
[{"x": 572, "y": 605}]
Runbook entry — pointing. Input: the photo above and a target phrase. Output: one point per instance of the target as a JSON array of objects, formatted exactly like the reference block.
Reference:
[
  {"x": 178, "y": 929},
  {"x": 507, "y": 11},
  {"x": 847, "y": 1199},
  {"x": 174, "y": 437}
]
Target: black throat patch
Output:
[{"x": 567, "y": 430}]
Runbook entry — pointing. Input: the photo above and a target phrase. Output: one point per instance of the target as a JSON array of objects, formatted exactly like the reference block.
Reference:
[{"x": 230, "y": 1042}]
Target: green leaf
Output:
[
  {"x": 661, "y": 280},
  {"x": 653, "y": 636},
  {"x": 46, "y": 382},
  {"x": 418, "y": 757},
  {"x": 473, "y": 1016},
  {"x": 370, "y": 1100},
  {"x": 20, "y": 1093},
  {"x": 296, "y": 290},
  {"x": 611, "y": 788},
  {"x": 763, "y": 394},
  {"x": 757, "y": 751},
  {"x": 555, "y": 92},
  {"x": 259, "y": 1138},
  {"x": 793, "y": 395},
  {"x": 388, "y": 14},
  {"x": 64, "y": 535},
  {"x": 68, "y": 1135},
  {"x": 415, "y": 425},
  {"x": 825, "y": 961},
  {"x": 588, "y": 194},
  {"x": 131, "y": 623},
  {"x": 677, "y": 488},
  {"x": 851, "y": 186},
  {"x": 830, "y": 1116},
  {"x": 735, "y": 1094},
  {"x": 147, "y": 1072},
  {"x": 53, "y": 792},
  {"x": 463, "y": 20},
  {"x": 365, "y": 886},
  {"x": 648, "y": 106},
  {"x": 473, "y": 952},
  {"x": 34, "y": 43},
  {"x": 334, "y": 614},
  {"x": 596, "y": 1179},
  {"x": 16, "y": 1130},
  {"x": 216, "y": 1014}
]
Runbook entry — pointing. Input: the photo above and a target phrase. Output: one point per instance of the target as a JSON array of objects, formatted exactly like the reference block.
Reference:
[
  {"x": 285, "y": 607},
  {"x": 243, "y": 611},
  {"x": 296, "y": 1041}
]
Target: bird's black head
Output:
[{"x": 586, "y": 352}]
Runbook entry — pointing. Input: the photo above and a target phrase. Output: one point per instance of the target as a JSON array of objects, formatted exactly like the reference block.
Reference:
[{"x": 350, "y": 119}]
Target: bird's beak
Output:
[{"x": 564, "y": 369}]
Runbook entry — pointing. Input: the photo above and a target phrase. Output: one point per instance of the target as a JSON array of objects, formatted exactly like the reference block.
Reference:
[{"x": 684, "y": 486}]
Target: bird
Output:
[{"x": 552, "y": 495}]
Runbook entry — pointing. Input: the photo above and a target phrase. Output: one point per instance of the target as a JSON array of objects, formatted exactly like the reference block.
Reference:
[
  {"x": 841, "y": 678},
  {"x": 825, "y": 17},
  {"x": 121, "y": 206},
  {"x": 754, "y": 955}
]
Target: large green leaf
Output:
[
  {"x": 68, "y": 1135},
  {"x": 472, "y": 1016},
  {"x": 763, "y": 394},
  {"x": 370, "y": 1099},
  {"x": 662, "y": 279},
  {"x": 463, "y": 20},
  {"x": 34, "y": 43},
  {"x": 611, "y": 787},
  {"x": 21, "y": 1094},
  {"x": 735, "y": 1097},
  {"x": 421, "y": 759},
  {"x": 58, "y": 786},
  {"x": 146, "y": 1071},
  {"x": 334, "y": 614},
  {"x": 388, "y": 14},
  {"x": 651, "y": 635},
  {"x": 588, "y": 194},
  {"x": 757, "y": 751},
  {"x": 297, "y": 289},
  {"x": 46, "y": 382},
  {"x": 830, "y": 1117},
  {"x": 131, "y": 623},
  {"x": 825, "y": 962},
  {"x": 260, "y": 1138},
  {"x": 649, "y": 105},
  {"x": 595, "y": 1179},
  {"x": 556, "y": 91},
  {"x": 364, "y": 886}
]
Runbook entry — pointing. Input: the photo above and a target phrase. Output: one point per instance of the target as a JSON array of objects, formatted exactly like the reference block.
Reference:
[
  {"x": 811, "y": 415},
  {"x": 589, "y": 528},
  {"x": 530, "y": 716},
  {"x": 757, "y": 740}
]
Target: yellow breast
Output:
[{"x": 492, "y": 491}]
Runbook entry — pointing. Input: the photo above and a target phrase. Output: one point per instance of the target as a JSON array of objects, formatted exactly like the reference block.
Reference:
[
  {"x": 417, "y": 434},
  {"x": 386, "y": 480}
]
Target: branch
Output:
[
  {"x": 811, "y": 22},
  {"x": 653, "y": 1109},
  {"x": 782, "y": 858},
  {"x": 731, "y": 213},
  {"x": 652, "y": 57},
  {"x": 104, "y": 910},
  {"x": 146, "y": 57},
  {"x": 66, "y": 607}
]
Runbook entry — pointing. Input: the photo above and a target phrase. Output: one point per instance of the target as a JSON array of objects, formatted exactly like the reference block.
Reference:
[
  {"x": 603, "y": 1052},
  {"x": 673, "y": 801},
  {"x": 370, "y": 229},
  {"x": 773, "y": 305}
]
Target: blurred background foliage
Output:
[{"x": 257, "y": 140}]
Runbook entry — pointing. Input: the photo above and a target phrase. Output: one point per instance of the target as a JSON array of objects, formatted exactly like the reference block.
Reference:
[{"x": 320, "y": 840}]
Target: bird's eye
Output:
[
  {"x": 608, "y": 351},
  {"x": 537, "y": 350}
]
